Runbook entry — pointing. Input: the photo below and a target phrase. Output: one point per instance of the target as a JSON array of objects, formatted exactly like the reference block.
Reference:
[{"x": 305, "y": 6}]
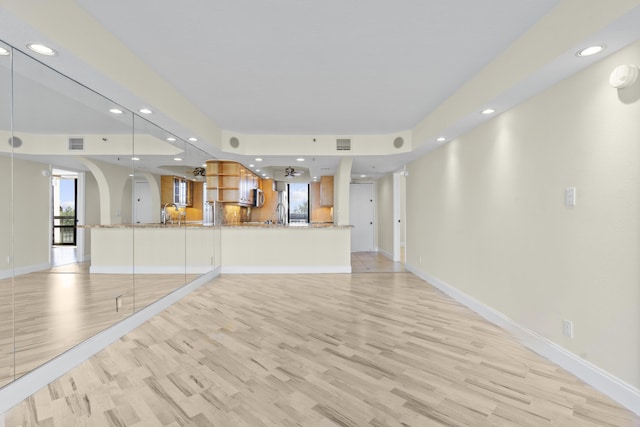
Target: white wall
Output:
[
  {"x": 486, "y": 215},
  {"x": 315, "y": 145},
  {"x": 384, "y": 214}
]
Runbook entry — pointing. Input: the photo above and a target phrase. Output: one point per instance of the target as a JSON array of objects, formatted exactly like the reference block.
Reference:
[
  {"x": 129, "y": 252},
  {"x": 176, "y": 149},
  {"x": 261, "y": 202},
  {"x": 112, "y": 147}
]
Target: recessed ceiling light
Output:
[
  {"x": 266, "y": 177},
  {"x": 251, "y": 166},
  {"x": 41, "y": 49},
  {"x": 264, "y": 174},
  {"x": 488, "y": 111},
  {"x": 363, "y": 176},
  {"x": 300, "y": 159},
  {"x": 258, "y": 159},
  {"x": 315, "y": 177},
  {"x": 3, "y": 51},
  {"x": 192, "y": 139},
  {"x": 135, "y": 159},
  {"x": 441, "y": 139},
  {"x": 591, "y": 50},
  {"x": 177, "y": 159},
  {"x": 171, "y": 139},
  {"x": 115, "y": 111},
  {"x": 145, "y": 111},
  {"x": 257, "y": 170}
]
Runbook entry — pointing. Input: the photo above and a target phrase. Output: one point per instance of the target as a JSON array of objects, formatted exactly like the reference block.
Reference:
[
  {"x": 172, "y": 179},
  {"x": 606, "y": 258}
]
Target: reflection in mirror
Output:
[
  {"x": 201, "y": 253},
  {"x": 161, "y": 207},
  {"x": 92, "y": 234},
  {"x": 69, "y": 171},
  {"x": 6, "y": 219}
]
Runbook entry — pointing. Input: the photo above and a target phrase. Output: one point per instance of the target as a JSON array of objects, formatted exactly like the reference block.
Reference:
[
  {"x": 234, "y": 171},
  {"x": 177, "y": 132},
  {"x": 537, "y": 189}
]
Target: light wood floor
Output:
[
  {"x": 61, "y": 307},
  {"x": 383, "y": 349},
  {"x": 374, "y": 262}
]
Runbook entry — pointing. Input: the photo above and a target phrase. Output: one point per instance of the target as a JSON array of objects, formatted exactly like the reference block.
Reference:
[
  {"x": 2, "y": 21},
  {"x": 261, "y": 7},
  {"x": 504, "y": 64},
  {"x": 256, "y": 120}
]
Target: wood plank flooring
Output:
[
  {"x": 61, "y": 307},
  {"x": 361, "y": 349},
  {"x": 374, "y": 262}
]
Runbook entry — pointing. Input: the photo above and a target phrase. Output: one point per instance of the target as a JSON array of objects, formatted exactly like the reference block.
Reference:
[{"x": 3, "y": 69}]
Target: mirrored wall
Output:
[{"x": 103, "y": 214}]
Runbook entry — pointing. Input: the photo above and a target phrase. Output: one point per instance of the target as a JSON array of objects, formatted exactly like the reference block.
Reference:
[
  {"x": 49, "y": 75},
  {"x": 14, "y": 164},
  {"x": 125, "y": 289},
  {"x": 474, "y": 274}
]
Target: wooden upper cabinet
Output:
[
  {"x": 230, "y": 182},
  {"x": 175, "y": 189},
  {"x": 326, "y": 191}
]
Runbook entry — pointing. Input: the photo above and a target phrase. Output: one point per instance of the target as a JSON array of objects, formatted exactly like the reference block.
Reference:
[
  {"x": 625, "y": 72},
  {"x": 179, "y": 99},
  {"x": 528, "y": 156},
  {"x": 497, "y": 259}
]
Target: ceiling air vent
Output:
[
  {"x": 343, "y": 144},
  {"x": 76, "y": 144}
]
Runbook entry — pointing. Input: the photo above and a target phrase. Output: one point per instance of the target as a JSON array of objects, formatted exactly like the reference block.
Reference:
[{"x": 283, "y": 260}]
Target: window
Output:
[{"x": 298, "y": 203}]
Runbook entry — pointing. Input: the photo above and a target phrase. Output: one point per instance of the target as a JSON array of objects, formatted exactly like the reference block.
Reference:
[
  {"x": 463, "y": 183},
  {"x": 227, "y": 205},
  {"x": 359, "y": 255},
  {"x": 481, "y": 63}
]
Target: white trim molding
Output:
[
  {"x": 19, "y": 271},
  {"x": 623, "y": 393},
  {"x": 151, "y": 269},
  {"x": 286, "y": 269},
  {"x": 25, "y": 386},
  {"x": 387, "y": 254}
]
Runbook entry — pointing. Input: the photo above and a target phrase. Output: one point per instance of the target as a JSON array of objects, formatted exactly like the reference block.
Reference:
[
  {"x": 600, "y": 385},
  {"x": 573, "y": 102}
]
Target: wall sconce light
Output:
[{"x": 623, "y": 76}]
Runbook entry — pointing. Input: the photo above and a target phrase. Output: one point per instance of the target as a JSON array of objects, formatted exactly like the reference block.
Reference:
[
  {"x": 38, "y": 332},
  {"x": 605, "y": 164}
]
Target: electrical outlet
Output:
[
  {"x": 118, "y": 302},
  {"x": 567, "y": 328}
]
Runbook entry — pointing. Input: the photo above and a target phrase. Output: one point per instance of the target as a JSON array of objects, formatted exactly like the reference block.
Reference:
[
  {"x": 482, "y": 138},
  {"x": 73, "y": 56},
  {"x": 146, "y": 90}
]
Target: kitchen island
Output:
[{"x": 244, "y": 248}]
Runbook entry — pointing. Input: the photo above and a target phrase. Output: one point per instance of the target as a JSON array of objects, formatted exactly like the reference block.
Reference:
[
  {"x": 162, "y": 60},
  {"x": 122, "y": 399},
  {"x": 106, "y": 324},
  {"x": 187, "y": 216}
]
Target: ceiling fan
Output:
[{"x": 290, "y": 172}]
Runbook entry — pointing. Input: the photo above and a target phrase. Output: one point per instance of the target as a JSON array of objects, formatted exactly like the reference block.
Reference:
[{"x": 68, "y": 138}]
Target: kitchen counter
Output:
[
  {"x": 146, "y": 225},
  {"x": 238, "y": 225},
  {"x": 243, "y": 248},
  {"x": 273, "y": 248},
  {"x": 296, "y": 226}
]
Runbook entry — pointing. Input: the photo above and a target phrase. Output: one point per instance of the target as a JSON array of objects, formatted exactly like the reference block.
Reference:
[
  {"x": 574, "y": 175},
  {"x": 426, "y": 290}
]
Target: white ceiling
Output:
[
  {"x": 317, "y": 67},
  {"x": 336, "y": 67}
]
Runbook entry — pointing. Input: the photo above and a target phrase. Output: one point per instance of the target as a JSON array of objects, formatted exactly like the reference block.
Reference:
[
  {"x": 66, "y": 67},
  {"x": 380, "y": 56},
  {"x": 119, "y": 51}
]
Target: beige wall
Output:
[
  {"x": 341, "y": 182},
  {"x": 486, "y": 215},
  {"x": 92, "y": 209},
  {"x": 384, "y": 214},
  {"x": 30, "y": 205}
]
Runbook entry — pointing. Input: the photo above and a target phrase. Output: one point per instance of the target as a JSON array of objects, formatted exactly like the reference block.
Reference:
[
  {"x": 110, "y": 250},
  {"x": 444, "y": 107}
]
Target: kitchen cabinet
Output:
[
  {"x": 175, "y": 189},
  {"x": 326, "y": 191},
  {"x": 230, "y": 182}
]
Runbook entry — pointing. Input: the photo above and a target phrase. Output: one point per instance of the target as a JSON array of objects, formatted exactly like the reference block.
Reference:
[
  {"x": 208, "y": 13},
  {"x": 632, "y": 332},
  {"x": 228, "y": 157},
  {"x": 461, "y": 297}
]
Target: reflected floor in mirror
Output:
[
  {"x": 58, "y": 308},
  {"x": 360, "y": 349}
]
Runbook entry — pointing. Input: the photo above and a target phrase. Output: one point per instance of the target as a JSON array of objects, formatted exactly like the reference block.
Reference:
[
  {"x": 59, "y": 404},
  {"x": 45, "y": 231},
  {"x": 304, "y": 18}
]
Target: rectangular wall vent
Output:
[
  {"x": 76, "y": 144},
  {"x": 343, "y": 144}
]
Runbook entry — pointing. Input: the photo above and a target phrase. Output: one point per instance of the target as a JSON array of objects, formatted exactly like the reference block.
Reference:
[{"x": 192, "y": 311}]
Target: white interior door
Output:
[
  {"x": 362, "y": 209},
  {"x": 143, "y": 207}
]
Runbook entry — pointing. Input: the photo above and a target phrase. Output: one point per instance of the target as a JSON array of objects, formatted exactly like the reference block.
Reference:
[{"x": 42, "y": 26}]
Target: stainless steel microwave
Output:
[{"x": 258, "y": 197}]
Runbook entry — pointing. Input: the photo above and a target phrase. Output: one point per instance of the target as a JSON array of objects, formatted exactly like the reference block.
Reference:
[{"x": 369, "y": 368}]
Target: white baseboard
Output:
[
  {"x": 623, "y": 393},
  {"x": 286, "y": 269},
  {"x": 25, "y": 386},
  {"x": 151, "y": 269},
  {"x": 386, "y": 254},
  {"x": 19, "y": 271}
]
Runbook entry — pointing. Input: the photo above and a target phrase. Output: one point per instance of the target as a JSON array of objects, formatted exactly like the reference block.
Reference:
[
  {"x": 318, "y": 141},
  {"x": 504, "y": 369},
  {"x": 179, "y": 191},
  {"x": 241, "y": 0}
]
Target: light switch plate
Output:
[{"x": 570, "y": 196}]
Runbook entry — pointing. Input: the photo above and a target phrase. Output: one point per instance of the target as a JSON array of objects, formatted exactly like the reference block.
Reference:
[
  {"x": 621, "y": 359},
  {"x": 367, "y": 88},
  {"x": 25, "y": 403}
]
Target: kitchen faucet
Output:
[{"x": 165, "y": 214}]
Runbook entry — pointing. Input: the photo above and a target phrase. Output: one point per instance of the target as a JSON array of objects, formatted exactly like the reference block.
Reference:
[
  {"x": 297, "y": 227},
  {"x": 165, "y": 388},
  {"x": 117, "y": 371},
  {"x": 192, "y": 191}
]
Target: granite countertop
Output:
[
  {"x": 196, "y": 224},
  {"x": 288, "y": 226}
]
